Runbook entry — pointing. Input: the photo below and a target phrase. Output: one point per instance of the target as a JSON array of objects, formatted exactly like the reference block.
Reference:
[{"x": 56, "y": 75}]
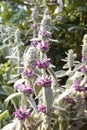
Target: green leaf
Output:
[
  {"x": 4, "y": 115},
  {"x": 12, "y": 96},
  {"x": 60, "y": 73},
  {"x": 32, "y": 103},
  {"x": 47, "y": 97},
  {"x": 37, "y": 89}
]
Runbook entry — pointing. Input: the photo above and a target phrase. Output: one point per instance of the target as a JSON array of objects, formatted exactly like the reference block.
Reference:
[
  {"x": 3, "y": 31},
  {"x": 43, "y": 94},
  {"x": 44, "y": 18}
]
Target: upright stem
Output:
[
  {"x": 18, "y": 59},
  {"x": 60, "y": 123}
]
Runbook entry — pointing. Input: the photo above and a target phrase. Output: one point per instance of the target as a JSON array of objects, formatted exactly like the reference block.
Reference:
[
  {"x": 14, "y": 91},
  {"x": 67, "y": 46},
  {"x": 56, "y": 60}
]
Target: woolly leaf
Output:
[
  {"x": 12, "y": 96},
  {"x": 60, "y": 73},
  {"x": 47, "y": 97},
  {"x": 79, "y": 66},
  {"x": 32, "y": 103}
]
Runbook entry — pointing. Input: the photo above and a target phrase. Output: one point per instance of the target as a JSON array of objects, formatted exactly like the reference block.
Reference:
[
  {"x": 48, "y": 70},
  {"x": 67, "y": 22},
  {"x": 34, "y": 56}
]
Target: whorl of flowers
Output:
[
  {"x": 43, "y": 64},
  {"x": 25, "y": 89},
  {"x": 22, "y": 115},
  {"x": 41, "y": 108},
  {"x": 44, "y": 46},
  {"x": 44, "y": 82},
  {"x": 28, "y": 74}
]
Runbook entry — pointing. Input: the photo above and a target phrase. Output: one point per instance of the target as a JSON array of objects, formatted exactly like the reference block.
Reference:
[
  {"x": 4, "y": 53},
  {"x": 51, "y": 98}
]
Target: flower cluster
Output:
[
  {"x": 70, "y": 100},
  {"x": 44, "y": 46},
  {"x": 28, "y": 74},
  {"x": 77, "y": 87},
  {"x": 22, "y": 115},
  {"x": 44, "y": 82},
  {"x": 84, "y": 69},
  {"x": 41, "y": 108},
  {"x": 23, "y": 88},
  {"x": 44, "y": 64}
]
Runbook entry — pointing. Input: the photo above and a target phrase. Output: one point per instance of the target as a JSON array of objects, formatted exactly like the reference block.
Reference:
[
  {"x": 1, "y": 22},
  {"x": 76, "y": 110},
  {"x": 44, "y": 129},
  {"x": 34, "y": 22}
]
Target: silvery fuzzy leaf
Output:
[
  {"x": 11, "y": 126},
  {"x": 52, "y": 40},
  {"x": 52, "y": 66},
  {"x": 79, "y": 66},
  {"x": 65, "y": 66},
  {"x": 12, "y": 96},
  {"x": 69, "y": 82},
  {"x": 37, "y": 89},
  {"x": 51, "y": 72},
  {"x": 60, "y": 73},
  {"x": 36, "y": 39},
  {"x": 4, "y": 115},
  {"x": 64, "y": 94},
  {"x": 82, "y": 108},
  {"x": 9, "y": 91},
  {"x": 76, "y": 75},
  {"x": 11, "y": 57},
  {"x": 32, "y": 103},
  {"x": 47, "y": 97}
]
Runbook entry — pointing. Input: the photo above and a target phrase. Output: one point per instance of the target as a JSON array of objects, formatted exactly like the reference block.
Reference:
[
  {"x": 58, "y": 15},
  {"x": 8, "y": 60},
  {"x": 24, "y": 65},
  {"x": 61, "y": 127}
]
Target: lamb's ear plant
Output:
[{"x": 44, "y": 104}]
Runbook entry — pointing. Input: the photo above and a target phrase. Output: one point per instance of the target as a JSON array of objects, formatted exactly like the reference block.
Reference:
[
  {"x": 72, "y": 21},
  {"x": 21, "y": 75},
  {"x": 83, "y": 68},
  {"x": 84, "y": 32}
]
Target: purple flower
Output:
[
  {"x": 22, "y": 115},
  {"x": 23, "y": 88},
  {"x": 34, "y": 26},
  {"x": 28, "y": 74},
  {"x": 70, "y": 100},
  {"x": 76, "y": 85},
  {"x": 43, "y": 64},
  {"x": 84, "y": 69},
  {"x": 44, "y": 46},
  {"x": 84, "y": 58},
  {"x": 44, "y": 82},
  {"x": 41, "y": 108}
]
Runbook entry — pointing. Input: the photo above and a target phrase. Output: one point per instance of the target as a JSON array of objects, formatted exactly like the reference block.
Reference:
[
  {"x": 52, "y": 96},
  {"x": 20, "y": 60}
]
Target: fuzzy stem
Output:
[
  {"x": 60, "y": 123},
  {"x": 18, "y": 59}
]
